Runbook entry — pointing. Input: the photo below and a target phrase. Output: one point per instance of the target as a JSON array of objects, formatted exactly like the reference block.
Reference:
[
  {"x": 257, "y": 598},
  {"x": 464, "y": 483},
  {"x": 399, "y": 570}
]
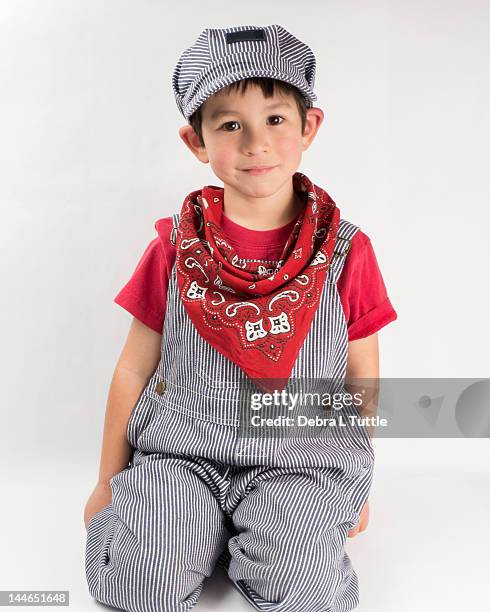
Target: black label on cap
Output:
[{"x": 232, "y": 37}]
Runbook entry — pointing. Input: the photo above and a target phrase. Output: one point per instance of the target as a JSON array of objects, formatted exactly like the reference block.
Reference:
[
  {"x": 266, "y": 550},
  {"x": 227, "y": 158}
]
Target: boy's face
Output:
[{"x": 246, "y": 129}]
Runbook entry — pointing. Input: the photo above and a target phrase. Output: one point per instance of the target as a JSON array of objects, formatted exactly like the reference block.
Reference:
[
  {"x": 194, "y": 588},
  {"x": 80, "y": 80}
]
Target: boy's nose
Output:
[{"x": 255, "y": 144}]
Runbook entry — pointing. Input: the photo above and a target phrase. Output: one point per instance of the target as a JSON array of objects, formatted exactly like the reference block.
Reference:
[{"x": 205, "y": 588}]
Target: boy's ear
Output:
[
  {"x": 314, "y": 119},
  {"x": 191, "y": 139}
]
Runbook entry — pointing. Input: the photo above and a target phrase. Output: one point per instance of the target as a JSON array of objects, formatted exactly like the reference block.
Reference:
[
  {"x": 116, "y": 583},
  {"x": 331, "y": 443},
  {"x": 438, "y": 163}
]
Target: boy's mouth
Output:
[{"x": 258, "y": 170}]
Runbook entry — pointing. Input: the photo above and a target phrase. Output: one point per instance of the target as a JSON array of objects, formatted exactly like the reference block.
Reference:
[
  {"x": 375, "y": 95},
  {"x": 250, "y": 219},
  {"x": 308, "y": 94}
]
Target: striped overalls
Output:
[{"x": 274, "y": 514}]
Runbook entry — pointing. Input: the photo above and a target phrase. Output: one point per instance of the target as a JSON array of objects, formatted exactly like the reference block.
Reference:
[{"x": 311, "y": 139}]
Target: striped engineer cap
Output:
[{"x": 222, "y": 56}]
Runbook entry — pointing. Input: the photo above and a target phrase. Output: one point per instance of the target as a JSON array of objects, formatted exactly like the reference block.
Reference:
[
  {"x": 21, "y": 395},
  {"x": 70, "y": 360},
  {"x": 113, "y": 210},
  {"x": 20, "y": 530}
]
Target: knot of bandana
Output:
[{"x": 255, "y": 315}]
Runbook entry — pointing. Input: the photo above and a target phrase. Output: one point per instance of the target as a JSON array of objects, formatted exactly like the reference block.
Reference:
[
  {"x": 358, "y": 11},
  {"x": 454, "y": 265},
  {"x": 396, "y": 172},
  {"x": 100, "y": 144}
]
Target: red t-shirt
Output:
[{"x": 362, "y": 291}]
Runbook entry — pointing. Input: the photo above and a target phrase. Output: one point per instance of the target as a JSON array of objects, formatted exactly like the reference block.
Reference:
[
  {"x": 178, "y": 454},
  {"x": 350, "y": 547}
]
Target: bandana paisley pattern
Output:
[{"x": 255, "y": 314}]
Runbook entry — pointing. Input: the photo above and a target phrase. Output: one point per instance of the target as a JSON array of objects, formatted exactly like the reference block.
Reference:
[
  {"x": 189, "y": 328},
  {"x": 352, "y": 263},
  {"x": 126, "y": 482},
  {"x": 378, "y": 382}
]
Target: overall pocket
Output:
[
  {"x": 143, "y": 414},
  {"x": 216, "y": 371},
  {"x": 96, "y": 516}
]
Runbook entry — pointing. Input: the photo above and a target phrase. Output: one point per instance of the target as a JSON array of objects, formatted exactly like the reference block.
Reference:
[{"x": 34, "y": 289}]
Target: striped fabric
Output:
[
  {"x": 274, "y": 512},
  {"x": 222, "y": 56}
]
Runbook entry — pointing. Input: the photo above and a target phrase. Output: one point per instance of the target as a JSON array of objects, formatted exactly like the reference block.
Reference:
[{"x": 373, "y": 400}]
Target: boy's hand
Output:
[
  {"x": 363, "y": 521},
  {"x": 100, "y": 497}
]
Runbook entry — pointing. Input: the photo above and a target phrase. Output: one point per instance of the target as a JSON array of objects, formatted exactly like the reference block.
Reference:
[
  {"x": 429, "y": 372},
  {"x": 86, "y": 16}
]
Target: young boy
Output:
[{"x": 257, "y": 280}]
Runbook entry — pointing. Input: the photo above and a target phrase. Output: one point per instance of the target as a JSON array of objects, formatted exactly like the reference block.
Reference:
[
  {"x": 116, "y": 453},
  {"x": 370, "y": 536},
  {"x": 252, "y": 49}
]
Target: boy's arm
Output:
[
  {"x": 136, "y": 364},
  {"x": 363, "y": 363}
]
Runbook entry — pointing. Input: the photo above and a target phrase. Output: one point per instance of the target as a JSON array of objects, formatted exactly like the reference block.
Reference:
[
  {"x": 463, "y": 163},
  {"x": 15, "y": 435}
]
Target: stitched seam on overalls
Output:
[
  {"x": 198, "y": 415},
  {"x": 200, "y": 394},
  {"x": 209, "y": 381}
]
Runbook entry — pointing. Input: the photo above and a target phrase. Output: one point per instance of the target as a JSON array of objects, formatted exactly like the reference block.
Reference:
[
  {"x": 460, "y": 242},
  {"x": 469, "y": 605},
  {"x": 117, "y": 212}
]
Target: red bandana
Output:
[{"x": 257, "y": 317}]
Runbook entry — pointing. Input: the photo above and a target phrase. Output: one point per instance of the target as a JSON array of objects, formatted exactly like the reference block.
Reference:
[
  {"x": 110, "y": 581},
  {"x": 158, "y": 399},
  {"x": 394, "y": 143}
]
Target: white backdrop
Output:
[{"x": 90, "y": 158}]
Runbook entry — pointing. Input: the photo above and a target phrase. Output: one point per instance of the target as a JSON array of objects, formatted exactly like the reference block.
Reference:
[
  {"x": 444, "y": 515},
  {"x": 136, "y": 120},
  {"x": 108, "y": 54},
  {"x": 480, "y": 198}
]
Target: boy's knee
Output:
[
  {"x": 295, "y": 578},
  {"x": 327, "y": 593},
  {"x": 155, "y": 589},
  {"x": 135, "y": 576}
]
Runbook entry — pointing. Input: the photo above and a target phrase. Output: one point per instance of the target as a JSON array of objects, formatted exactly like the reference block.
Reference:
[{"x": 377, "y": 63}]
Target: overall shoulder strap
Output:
[
  {"x": 175, "y": 225},
  {"x": 342, "y": 248}
]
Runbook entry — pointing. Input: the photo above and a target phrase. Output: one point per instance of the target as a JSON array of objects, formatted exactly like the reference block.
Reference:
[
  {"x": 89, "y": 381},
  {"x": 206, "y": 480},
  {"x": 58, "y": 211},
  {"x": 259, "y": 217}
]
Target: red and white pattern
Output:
[{"x": 255, "y": 315}]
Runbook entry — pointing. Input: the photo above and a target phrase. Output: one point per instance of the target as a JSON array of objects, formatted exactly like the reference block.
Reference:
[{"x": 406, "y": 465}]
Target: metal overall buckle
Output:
[
  {"x": 173, "y": 235},
  {"x": 346, "y": 251}
]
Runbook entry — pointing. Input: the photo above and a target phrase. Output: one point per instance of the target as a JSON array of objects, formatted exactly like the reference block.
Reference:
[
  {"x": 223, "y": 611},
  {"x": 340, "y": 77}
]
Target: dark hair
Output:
[{"x": 268, "y": 87}]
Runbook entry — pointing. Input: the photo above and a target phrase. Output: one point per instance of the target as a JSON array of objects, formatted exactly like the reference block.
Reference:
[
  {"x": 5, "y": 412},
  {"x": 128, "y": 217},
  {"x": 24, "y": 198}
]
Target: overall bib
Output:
[{"x": 274, "y": 513}]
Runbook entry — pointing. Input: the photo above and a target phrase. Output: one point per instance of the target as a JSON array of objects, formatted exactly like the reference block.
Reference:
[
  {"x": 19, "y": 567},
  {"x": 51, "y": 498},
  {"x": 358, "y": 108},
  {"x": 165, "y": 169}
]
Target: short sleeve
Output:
[
  {"x": 145, "y": 294},
  {"x": 362, "y": 290}
]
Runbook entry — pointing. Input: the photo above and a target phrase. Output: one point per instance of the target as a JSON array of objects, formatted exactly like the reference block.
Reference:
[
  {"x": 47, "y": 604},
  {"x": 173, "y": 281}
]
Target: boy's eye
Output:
[{"x": 233, "y": 122}]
